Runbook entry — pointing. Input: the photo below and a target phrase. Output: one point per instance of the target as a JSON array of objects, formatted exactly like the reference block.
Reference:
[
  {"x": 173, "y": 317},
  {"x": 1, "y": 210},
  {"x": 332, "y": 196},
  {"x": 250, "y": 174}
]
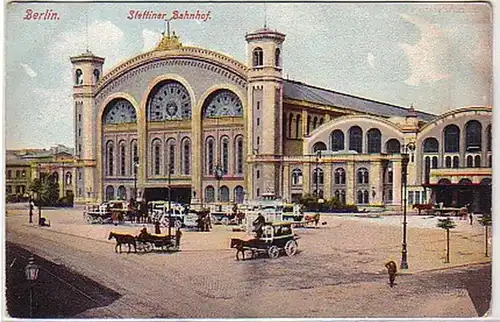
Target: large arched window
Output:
[
  {"x": 119, "y": 111},
  {"x": 169, "y": 100},
  {"x": 222, "y": 103},
  {"x": 374, "y": 138},
  {"x": 473, "y": 133},
  {"x": 277, "y": 57},
  {"x": 362, "y": 176},
  {"x": 296, "y": 177},
  {"x": 133, "y": 156},
  {"x": 239, "y": 194},
  {"x": 110, "y": 193},
  {"x": 123, "y": 158},
  {"x": 186, "y": 157},
  {"x": 258, "y": 57},
  {"x": 209, "y": 154},
  {"x": 339, "y": 176},
  {"x": 121, "y": 193},
  {"x": 431, "y": 145},
  {"x": 488, "y": 137},
  {"x": 356, "y": 139},
  {"x": 451, "y": 138},
  {"x": 318, "y": 177},
  {"x": 239, "y": 155},
  {"x": 393, "y": 146},
  {"x": 337, "y": 140},
  {"x": 170, "y": 162},
  {"x": 319, "y": 146},
  {"x": 224, "y": 194},
  {"x": 225, "y": 154},
  {"x": 156, "y": 157},
  {"x": 110, "y": 153},
  {"x": 209, "y": 194}
]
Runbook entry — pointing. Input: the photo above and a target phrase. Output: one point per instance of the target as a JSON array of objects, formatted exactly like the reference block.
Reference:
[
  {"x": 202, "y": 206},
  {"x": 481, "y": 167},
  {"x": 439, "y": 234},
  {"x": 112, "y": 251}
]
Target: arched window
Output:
[
  {"x": 78, "y": 77},
  {"x": 209, "y": 154},
  {"x": 121, "y": 193},
  {"x": 297, "y": 127},
  {"x": 393, "y": 146},
  {"x": 374, "y": 138},
  {"x": 96, "y": 75},
  {"x": 308, "y": 124},
  {"x": 69, "y": 178},
  {"x": 55, "y": 177},
  {"x": 427, "y": 169},
  {"x": 225, "y": 154},
  {"x": 465, "y": 181},
  {"x": 277, "y": 57},
  {"x": 239, "y": 194},
  {"x": 434, "y": 162},
  {"x": 319, "y": 146},
  {"x": 340, "y": 196},
  {"x": 444, "y": 181},
  {"x": 133, "y": 156},
  {"x": 321, "y": 120},
  {"x": 224, "y": 194},
  {"x": 456, "y": 162},
  {"x": 110, "y": 193},
  {"x": 473, "y": 133},
  {"x": 239, "y": 155},
  {"x": 356, "y": 139},
  {"x": 171, "y": 156},
  {"x": 290, "y": 126},
  {"x": 488, "y": 137},
  {"x": 258, "y": 57},
  {"x": 451, "y": 138},
  {"x": 366, "y": 197},
  {"x": 123, "y": 158},
  {"x": 362, "y": 176},
  {"x": 296, "y": 177},
  {"x": 489, "y": 161},
  {"x": 431, "y": 145},
  {"x": 337, "y": 140},
  {"x": 209, "y": 194},
  {"x": 447, "y": 162},
  {"x": 339, "y": 176},
  {"x": 318, "y": 176},
  {"x": 477, "y": 161},
  {"x": 186, "y": 157},
  {"x": 360, "y": 196},
  {"x": 470, "y": 161},
  {"x": 110, "y": 158},
  {"x": 156, "y": 157},
  {"x": 315, "y": 122}
]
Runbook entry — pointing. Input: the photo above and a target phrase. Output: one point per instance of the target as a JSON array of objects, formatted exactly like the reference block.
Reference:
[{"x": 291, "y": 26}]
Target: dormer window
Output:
[
  {"x": 96, "y": 76},
  {"x": 277, "y": 57},
  {"x": 78, "y": 77},
  {"x": 258, "y": 57}
]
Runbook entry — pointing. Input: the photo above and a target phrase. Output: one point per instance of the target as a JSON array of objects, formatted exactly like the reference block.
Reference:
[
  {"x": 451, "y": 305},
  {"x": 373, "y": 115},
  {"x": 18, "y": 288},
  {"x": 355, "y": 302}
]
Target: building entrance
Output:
[{"x": 178, "y": 194}]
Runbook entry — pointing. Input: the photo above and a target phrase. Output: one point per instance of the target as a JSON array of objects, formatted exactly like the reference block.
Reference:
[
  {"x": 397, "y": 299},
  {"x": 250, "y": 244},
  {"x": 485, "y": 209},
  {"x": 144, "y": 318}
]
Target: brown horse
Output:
[
  {"x": 123, "y": 239},
  {"x": 240, "y": 246}
]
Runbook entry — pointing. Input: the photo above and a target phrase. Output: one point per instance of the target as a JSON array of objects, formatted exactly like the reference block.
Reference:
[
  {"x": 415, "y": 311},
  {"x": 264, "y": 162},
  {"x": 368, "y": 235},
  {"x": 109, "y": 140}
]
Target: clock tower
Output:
[{"x": 265, "y": 91}]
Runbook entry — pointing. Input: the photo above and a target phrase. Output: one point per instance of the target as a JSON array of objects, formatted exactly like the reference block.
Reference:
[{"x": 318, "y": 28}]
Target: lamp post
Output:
[
  {"x": 218, "y": 176},
  {"x": 405, "y": 159},
  {"x": 318, "y": 157},
  {"x": 169, "y": 200},
  {"x": 136, "y": 166},
  {"x": 30, "y": 200},
  {"x": 31, "y": 271}
]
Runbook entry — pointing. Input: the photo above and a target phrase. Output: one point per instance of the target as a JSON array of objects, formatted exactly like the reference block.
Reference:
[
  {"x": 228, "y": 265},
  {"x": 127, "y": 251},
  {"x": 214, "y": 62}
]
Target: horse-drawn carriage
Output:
[
  {"x": 277, "y": 238},
  {"x": 97, "y": 214},
  {"x": 146, "y": 241}
]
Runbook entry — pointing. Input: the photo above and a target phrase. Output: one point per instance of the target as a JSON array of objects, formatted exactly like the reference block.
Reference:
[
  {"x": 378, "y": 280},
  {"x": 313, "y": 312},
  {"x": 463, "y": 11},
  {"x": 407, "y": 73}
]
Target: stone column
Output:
[
  {"x": 286, "y": 182},
  {"x": 396, "y": 182},
  {"x": 307, "y": 179},
  {"x": 376, "y": 181},
  {"x": 350, "y": 180},
  {"x": 327, "y": 186}
]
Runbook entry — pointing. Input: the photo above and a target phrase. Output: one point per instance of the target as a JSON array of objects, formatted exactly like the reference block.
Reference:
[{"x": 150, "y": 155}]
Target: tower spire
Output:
[{"x": 167, "y": 27}]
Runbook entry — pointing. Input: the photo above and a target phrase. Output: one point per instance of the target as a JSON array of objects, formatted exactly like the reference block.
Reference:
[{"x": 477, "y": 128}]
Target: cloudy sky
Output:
[{"x": 434, "y": 56}]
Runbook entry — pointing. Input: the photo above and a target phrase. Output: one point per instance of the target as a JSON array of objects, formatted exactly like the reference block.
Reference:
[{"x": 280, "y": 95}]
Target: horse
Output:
[
  {"x": 240, "y": 247},
  {"x": 123, "y": 239}
]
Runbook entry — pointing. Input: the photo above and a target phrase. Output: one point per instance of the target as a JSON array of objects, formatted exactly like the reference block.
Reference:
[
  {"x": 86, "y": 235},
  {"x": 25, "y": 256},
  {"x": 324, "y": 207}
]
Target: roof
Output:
[{"x": 300, "y": 91}]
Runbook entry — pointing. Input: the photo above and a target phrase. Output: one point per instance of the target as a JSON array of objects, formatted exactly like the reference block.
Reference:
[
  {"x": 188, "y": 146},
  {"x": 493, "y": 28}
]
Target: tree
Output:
[
  {"x": 46, "y": 190},
  {"x": 485, "y": 220},
  {"x": 447, "y": 224}
]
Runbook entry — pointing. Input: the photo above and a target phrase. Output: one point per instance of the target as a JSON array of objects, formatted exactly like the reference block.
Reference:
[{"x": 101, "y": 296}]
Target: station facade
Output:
[{"x": 213, "y": 129}]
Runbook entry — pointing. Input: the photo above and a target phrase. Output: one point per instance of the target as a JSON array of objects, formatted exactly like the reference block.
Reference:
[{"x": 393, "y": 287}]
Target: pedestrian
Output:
[
  {"x": 258, "y": 224},
  {"x": 391, "y": 270},
  {"x": 157, "y": 227},
  {"x": 178, "y": 235}
]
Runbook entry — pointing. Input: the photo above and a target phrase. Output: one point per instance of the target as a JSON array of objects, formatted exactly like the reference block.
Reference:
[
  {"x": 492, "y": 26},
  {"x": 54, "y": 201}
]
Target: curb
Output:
[{"x": 445, "y": 268}]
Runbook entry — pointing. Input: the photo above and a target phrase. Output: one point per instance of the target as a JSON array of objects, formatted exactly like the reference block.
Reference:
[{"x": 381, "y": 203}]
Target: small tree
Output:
[
  {"x": 447, "y": 224},
  {"x": 46, "y": 190},
  {"x": 485, "y": 220}
]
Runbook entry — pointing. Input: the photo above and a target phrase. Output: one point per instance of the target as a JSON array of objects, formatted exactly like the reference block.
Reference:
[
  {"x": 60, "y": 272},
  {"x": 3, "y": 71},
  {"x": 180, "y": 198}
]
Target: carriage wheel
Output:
[
  {"x": 177, "y": 224},
  {"x": 147, "y": 247},
  {"x": 273, "y": 252},
  {"x": 291, "y": 247},
  {"x": 164, "y": 223},
  {"x": 225, "y": 221},
  {"x": 89, "y": 219},
  {"x": 99, "y": 220}
]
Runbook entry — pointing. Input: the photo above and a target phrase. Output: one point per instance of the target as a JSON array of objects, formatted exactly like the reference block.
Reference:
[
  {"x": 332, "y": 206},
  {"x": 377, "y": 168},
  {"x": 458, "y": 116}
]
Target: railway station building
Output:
[{"x": 212, "y": 128}]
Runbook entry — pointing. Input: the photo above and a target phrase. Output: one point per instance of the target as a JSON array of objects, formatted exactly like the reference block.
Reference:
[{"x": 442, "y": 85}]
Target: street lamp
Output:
[
  {"x": 31, "y": 271},
  {"x": 316, "y": 171},
  {"x": 30, "y": 200},
  {"x": 170, "y": 169},
  {"x": 404, "y": 175},
  {"x": 136, "y": 166},
  {"x": 218, "y": 176}
]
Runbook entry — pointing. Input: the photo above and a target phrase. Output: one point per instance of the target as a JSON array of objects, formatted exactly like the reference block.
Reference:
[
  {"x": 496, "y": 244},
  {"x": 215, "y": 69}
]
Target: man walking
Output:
[{"x": 391, "y": 269}]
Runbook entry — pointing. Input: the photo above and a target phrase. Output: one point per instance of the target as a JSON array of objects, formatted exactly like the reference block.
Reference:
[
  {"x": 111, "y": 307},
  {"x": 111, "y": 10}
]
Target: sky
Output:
[{"x": 435, "y": 56}]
